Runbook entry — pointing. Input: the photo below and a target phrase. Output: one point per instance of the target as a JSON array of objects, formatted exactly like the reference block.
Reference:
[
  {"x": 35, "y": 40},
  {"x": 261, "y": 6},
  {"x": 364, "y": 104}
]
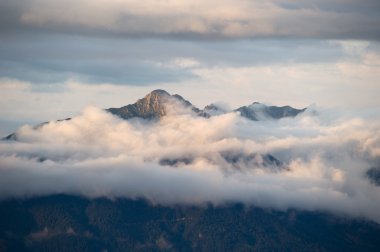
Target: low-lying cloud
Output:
[{"x": 324, "y": 159}]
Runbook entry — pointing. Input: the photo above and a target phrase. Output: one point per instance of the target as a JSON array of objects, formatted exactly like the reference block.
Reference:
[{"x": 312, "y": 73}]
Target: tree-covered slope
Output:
[{"x": 71, "y": 223}]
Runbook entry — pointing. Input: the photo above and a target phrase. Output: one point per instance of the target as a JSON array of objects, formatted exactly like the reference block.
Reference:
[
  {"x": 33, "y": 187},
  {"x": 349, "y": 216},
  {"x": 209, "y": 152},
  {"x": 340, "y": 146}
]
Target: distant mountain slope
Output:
[
  {"x": 257, "y": 111},
  {"x": 70, "y": 223}
]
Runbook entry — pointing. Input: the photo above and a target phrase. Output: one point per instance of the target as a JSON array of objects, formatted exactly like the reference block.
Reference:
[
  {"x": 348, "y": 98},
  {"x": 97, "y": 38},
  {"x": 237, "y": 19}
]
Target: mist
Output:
[{"x": 181, "y": 159}]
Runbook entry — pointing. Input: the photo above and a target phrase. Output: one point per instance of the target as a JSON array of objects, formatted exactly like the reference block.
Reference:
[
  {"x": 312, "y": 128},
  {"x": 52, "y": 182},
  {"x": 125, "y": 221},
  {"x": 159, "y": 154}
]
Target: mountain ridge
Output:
[
  {"x": 154, "y": 106},
  {"x": 157, "y": 103}
]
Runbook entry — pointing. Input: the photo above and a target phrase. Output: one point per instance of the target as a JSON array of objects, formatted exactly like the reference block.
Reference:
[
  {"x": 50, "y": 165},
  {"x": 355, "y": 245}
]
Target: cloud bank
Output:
[
  {"x": 324, "y": 160},
  {"x": 199, "y": 19}
]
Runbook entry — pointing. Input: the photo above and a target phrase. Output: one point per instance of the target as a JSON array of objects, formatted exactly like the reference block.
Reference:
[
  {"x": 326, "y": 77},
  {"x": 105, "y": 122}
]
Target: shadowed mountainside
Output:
[{"x": 69, "y": 223}]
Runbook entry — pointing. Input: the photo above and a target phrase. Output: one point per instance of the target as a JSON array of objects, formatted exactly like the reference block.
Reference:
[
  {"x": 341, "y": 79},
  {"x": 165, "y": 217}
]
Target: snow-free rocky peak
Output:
[
  {"x": 153, "y": 106},
  {"x": 157, "y": 104},
  {"x": 258, "y": 111}
]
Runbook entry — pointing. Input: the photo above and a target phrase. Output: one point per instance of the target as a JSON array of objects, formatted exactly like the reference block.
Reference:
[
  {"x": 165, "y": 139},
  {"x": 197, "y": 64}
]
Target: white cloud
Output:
[{"x": 97, "y": 154}]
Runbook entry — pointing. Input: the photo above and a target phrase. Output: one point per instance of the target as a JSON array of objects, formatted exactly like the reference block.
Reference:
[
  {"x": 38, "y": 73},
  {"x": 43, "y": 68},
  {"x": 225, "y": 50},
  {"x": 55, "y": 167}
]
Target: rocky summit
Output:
[
  {"x": 157, "y": 103},
  {"x": 153, "y": 106}
]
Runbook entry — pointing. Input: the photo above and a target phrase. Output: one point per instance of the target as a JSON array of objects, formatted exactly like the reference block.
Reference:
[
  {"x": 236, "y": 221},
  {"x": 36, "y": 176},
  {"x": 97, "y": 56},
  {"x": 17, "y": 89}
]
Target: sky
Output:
[
  {"x": 61, "y": 59},
  {"x": 56, "y": 57}
]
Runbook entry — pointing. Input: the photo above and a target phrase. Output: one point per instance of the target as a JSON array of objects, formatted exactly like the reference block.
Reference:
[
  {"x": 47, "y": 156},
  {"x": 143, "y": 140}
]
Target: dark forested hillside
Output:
[{"x": 71, "y": 223}]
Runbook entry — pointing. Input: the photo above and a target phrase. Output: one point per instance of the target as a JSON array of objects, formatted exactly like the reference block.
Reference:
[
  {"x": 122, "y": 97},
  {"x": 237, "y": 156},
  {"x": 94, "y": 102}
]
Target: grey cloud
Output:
[
  {"x": 54, "y": 59},
  {"x": 96, "y": 154},
  {"x": 118, "y": 73},
  {"x": 198, "y": 19},
  {"x": 45, "y": 58}
]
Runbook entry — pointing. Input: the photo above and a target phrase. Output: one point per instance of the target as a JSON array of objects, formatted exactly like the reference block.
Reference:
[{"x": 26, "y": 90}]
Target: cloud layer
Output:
[
  {"x": 325, "y": 158},
  {"x": 200, "y": 19}
]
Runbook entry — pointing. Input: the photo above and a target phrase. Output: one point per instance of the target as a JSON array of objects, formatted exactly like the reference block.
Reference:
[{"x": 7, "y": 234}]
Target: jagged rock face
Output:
[
  {"x": 150, "y": 107},
  {"x": 257, "y": 111},
  {"x": 154, "y": 106}
]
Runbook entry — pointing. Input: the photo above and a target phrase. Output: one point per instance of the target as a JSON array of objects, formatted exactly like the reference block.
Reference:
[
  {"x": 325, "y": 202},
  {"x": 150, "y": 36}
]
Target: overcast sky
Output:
[{"x": 56, "y": 57}]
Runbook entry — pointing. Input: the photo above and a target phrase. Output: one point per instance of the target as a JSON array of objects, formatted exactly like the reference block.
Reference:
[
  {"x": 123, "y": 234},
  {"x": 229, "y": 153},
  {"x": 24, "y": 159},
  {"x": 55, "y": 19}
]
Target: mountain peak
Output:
[
  {"x": 155, "y": 98},
  {"x": 150, "y": 107},
  {"x": 153, "y": 106},
  {"x": 157, "y": 103},
  {"x": 158, "y": 92}
]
